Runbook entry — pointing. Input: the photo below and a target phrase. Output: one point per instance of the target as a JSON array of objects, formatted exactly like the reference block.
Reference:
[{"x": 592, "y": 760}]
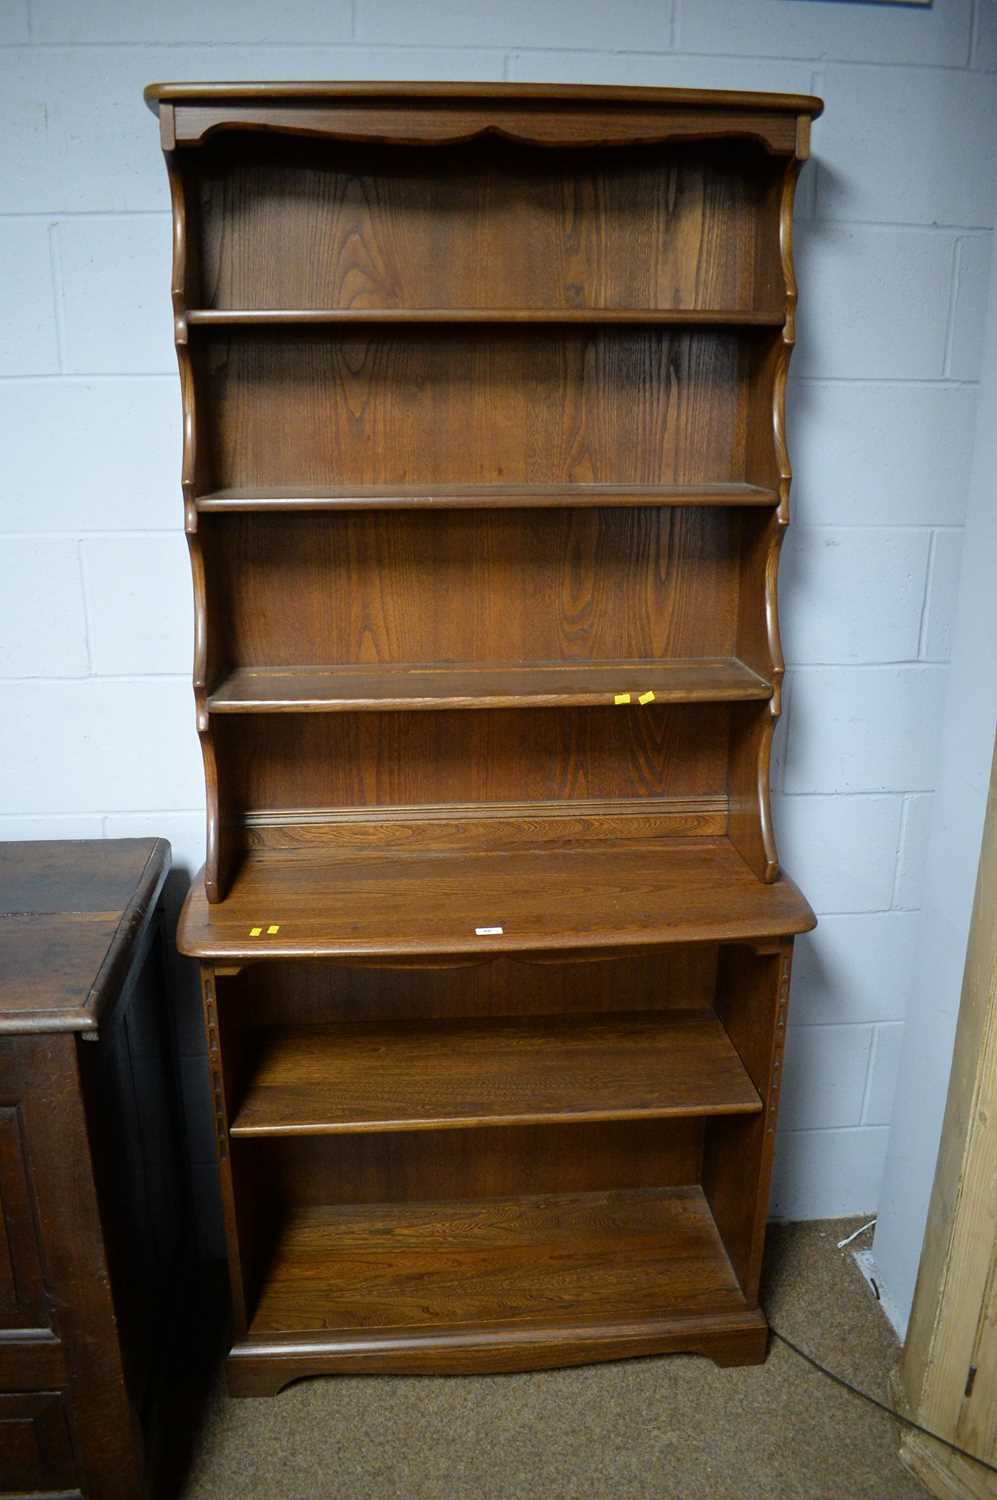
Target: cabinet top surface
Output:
[
  {"x": 71, "y": 914},
  {"x": 404, "y": 94}
]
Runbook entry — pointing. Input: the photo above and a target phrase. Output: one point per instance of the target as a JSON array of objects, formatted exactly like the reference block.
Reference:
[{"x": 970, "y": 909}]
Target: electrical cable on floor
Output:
[{"x": 873, "y": 1401}]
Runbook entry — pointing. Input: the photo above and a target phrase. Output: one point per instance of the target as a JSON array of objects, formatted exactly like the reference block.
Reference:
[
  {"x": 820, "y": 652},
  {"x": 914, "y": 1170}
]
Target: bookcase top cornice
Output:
[{"x": 319, "y": 91}]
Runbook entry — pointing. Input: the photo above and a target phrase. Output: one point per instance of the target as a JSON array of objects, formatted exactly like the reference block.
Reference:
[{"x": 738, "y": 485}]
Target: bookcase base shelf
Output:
[{"x": 508, "y": 1283}]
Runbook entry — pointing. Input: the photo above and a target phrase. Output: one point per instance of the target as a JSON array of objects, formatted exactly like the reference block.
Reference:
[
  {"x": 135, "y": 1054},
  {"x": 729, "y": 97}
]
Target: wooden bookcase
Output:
[{"x": 485, "y": 480}]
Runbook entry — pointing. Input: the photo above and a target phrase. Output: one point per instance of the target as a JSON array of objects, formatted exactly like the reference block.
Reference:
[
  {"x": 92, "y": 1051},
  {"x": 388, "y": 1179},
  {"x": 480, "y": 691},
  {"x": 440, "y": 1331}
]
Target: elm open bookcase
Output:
[{"x": 485, "y": 480}]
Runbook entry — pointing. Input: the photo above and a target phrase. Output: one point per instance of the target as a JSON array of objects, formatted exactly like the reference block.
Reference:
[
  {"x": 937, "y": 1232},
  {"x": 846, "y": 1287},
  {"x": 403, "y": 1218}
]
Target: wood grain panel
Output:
[
  {"x": 294, "y": 225},
  {"x": 495, "y": 586},
  {"x": 303, "y": 994},
  {"x": 486, "y": 827},
  {"x": 421, "y": 1165},
  {"x": 286, "y": 762},
  {"x": 473, "y": 405},
  {"x": 275, "y": 1177}
]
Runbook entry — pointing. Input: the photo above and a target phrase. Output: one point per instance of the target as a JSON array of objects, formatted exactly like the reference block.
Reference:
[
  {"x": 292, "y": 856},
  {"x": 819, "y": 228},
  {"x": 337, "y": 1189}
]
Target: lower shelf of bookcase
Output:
[{"x": 495, "y": 1284}]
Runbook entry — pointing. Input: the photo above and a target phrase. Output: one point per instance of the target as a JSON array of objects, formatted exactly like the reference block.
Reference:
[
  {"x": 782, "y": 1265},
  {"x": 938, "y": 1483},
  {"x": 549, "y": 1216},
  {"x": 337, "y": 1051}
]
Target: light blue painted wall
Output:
[{"x": 952, "y": 851}]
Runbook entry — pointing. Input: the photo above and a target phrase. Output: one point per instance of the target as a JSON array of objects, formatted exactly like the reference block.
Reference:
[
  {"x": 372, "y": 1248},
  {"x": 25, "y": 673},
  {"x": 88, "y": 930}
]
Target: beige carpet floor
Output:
[{"x": 665, "y": 1429}]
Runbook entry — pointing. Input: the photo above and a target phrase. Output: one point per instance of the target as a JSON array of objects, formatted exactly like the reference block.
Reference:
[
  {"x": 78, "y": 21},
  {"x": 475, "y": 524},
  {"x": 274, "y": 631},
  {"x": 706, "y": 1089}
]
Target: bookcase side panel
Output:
[
  {"x": 195, "y": 471},
  {"x": 752, "y": 1001},
  {"x": 758, "y": 634}
]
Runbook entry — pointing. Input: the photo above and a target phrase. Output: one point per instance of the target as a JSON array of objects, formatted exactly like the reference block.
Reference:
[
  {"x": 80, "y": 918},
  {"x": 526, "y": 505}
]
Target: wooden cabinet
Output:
[
  {"x": 485, "y": 479},
  {"x": 90, "y": 1220}
]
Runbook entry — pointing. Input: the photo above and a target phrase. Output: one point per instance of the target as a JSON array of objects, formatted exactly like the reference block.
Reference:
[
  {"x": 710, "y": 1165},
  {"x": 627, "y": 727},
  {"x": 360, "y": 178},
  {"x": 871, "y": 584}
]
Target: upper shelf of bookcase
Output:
[
  {"x": 483, "y": 497},
  {"x": 565, "y": 115},
  {"x": 210, "y": 317},
  {"x": 354, "y": 688}
]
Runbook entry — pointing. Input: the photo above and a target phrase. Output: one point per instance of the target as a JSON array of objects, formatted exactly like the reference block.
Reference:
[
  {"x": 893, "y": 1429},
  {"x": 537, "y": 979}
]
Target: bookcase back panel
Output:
[
  {"x": 316, "y": 994},
  {"x": 464, "y": 586},
  {"x": 298, "y": 225},
  {"x": 280, "y": 762},
  {"x": 434, "y": 1165},
  {"x": 499, "y": 404}
]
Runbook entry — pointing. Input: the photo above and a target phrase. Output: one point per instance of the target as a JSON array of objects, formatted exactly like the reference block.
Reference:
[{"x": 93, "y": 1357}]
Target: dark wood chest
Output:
[{"x": 90, "y": 1231}]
